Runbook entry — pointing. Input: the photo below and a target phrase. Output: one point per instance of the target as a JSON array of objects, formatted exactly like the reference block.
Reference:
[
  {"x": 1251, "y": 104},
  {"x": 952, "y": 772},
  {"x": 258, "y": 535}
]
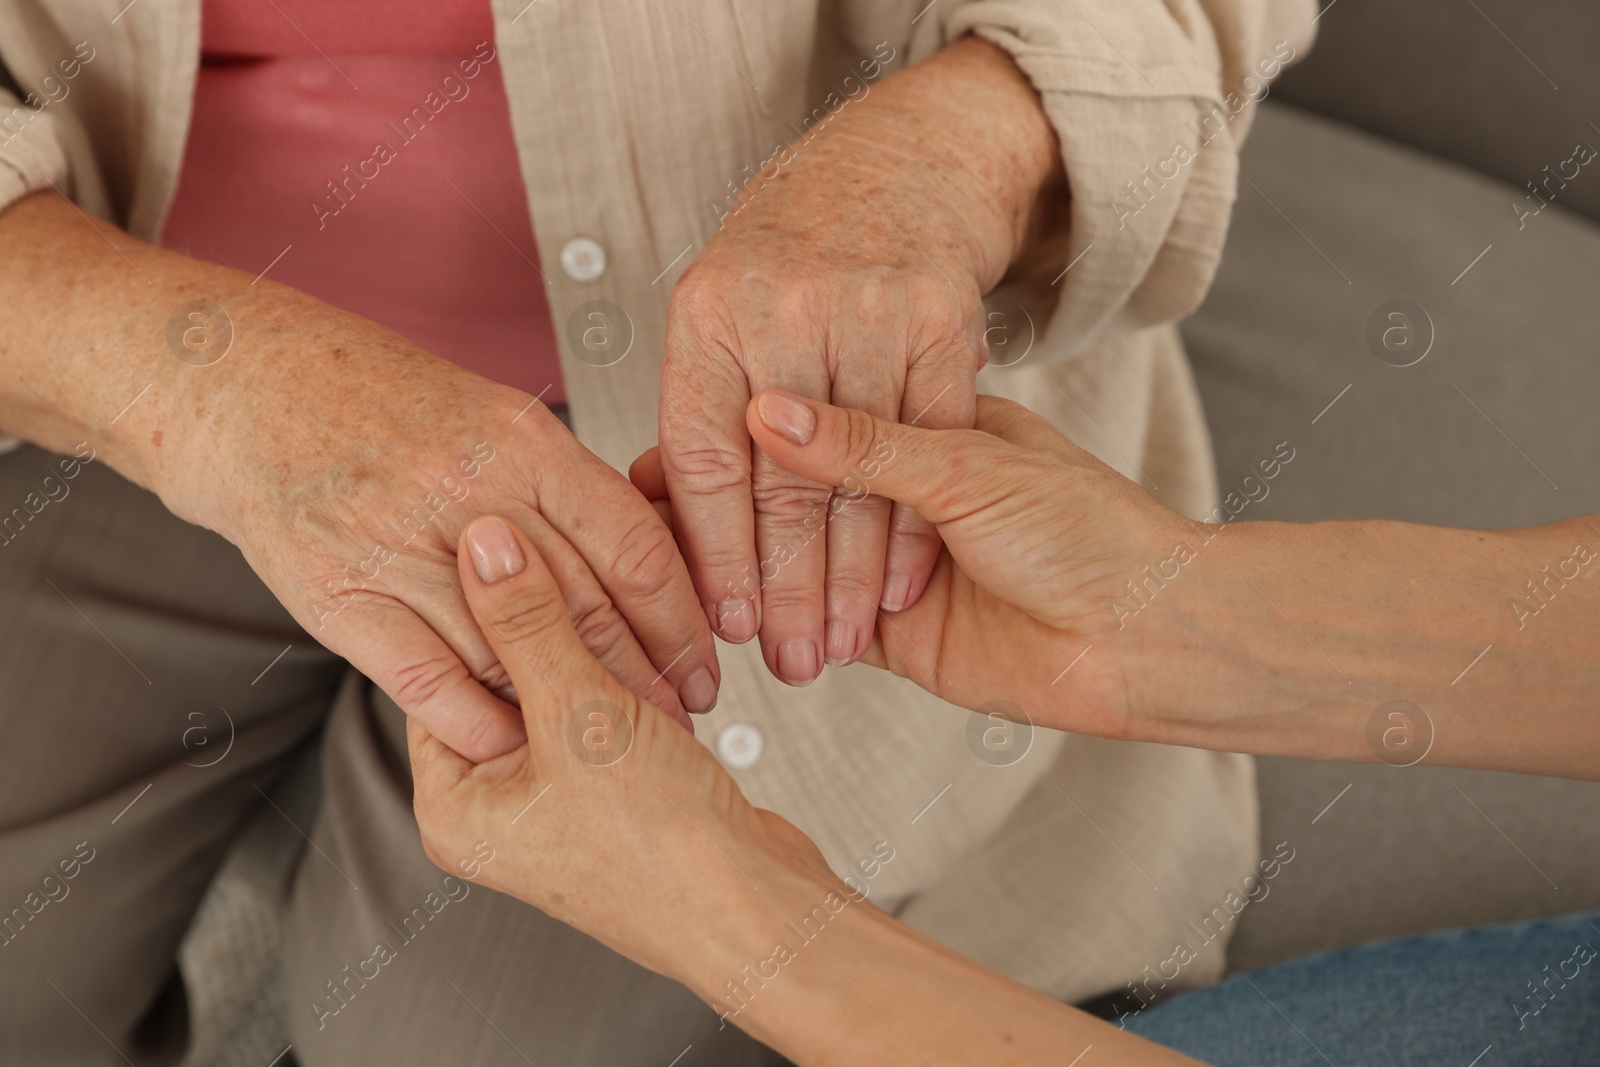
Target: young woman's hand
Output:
[
  {"x": 614, "y": 820},
  {"x": 610, "y": 817},
  {"x": 1041, "y": 539},
  {"x": 1069, "y": 593}
]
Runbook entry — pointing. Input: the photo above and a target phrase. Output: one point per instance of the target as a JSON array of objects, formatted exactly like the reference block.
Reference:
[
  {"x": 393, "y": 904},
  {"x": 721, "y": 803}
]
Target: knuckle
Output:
[
  {"x": 855, "y": 573},
  {"x": 601, "y": 628},
  {"x": 853, "y": 524},
  {"x": 783, "y": 597},
  {"x": 908, "y": 530},
  {"x": 949, "y": 354},
  {"x": 698, "y": 310},
  {"x": 793, "y": 302},
  {"x": 724, "y": 571},
  {"x": 697, "y": 288},
  {"x": 485, "y": 739},
  {"x": 646, "y": 561},
  {"x": 702, "y": 467},
  {"x": 494, "y": 676},
  {"x": 529, "y": 614},
  {"x": 977, "y": 471},
  {"x": 943, "y": 305},
  {"x": 790, "y": 500},
  {"x": 860, "y": 436},
  {"x": 929, "y": 294},
  {"x": 419, "y": 684}
]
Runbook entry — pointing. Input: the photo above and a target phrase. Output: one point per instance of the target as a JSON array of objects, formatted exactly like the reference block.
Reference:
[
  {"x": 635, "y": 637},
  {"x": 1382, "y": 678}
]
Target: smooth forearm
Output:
[
  {"x": 1379, "y": 641},
  {"x": 865, "y": 987}
]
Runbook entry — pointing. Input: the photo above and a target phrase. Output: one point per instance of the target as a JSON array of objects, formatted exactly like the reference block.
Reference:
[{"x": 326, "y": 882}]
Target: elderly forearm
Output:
[
  {"x": 1382, "y": 641},
  {"x": 968, "y": 114},
  {"x": 85, "y": 317},
  {"x": 107, "y": 339},
  {"x": 83, "y": 320}
]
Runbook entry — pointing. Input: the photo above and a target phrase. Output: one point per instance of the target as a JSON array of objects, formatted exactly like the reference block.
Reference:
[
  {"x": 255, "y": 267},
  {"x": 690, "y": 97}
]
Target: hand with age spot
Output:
[
  {"x": 353, "y": 525},
  {"x": 855, "y": 274},
  {"x": 343, "y": 461}
]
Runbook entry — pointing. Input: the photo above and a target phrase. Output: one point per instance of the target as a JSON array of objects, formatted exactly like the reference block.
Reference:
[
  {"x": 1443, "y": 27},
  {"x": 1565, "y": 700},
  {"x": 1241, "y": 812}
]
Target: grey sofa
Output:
[{"x": 1382, "y": 169}]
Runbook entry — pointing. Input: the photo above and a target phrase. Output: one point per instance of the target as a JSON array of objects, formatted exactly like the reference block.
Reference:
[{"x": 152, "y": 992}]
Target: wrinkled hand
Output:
[
  {"x": 1041, "y": 540},
  {"x": 855, "y": 274},
  {"x": 610, "y": 818},
  {"x": 347, "y": 479}
]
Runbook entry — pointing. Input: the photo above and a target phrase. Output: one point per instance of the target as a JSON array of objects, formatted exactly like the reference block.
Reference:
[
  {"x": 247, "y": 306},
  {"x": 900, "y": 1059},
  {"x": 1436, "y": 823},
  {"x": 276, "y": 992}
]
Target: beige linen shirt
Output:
[{"x": 1081, "y": 864}]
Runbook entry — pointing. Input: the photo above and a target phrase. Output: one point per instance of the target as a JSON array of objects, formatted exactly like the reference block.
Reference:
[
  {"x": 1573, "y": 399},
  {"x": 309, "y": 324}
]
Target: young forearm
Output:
[
  {"x": 869, "y": 988},
  {"x": 1377, "y": 641}
]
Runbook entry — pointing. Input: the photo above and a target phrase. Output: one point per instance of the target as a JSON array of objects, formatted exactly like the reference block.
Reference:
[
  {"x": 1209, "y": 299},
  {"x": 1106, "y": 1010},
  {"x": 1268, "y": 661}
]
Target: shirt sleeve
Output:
[
  {"x": 1150, "y": 100},
  {"x": 31, "y": 158}
]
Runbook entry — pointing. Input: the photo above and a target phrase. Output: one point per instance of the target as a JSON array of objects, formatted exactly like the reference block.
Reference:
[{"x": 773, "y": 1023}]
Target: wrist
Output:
[
  {"x": 1006, "y": 141},
  {"x": 864, "y": 986},
  {"x": 785, "y": 986},
  {"x": 968, "y": 121},
  {"x": 223, "y": 352},
  {"x": 306, "y": 399},
  {"x": 738, "y": 960}
]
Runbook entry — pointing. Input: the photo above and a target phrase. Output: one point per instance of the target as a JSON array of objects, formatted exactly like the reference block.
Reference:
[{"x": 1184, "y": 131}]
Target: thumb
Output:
[
  {"x": 523, "y": 615},
  {"x": 943, "y": 474}
]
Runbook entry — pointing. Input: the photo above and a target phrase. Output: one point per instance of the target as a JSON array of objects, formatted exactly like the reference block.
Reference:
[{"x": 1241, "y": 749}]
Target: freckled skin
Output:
[
  {"x": 330, "y": 450},
  {"x": 854, "y": 272}
]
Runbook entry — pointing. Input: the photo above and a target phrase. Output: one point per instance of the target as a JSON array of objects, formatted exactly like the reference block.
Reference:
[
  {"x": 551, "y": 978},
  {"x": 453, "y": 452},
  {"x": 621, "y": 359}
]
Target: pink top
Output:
[{"x": 362, "y": 152}]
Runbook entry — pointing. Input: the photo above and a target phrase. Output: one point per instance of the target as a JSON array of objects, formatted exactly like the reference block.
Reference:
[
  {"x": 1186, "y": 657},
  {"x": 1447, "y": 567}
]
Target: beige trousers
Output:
[{"x": 152, "y": 693}]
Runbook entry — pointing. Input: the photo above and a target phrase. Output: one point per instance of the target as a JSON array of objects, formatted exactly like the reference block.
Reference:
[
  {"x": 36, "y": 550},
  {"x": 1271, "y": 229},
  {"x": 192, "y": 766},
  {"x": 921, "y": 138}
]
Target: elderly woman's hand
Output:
[
  {"x": 611, "y": 818},
  {"x": 852, "y": 269}
]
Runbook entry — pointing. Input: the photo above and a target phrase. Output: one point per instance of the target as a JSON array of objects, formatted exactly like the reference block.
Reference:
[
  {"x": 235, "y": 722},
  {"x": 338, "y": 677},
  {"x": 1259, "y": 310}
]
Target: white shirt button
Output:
[
  {"x": 739, "y": 745},
  {"x": 583, "y": 259}
]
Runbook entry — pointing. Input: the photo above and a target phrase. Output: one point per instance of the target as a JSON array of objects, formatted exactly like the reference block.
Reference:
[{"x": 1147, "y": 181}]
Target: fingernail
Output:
[
  {"x": 699, "y": 693},
  {"x": 736, "y": 620},
  {"x": 495, "y": 553},
  {"x": 841, "y": 642},
  {"x": 896, "y": 588},
  {"x": 797, "y": 662},
  {"x": 789, "y": 419}
]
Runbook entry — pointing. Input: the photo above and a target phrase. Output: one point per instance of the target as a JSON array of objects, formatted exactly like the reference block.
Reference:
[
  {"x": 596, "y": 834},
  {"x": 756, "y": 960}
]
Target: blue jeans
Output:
[{"x": 1501, "y": 996}]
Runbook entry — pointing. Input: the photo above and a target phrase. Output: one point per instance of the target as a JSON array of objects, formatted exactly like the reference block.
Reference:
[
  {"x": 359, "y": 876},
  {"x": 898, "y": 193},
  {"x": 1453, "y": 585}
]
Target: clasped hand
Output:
[{"x": 1035, "y": 531}]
